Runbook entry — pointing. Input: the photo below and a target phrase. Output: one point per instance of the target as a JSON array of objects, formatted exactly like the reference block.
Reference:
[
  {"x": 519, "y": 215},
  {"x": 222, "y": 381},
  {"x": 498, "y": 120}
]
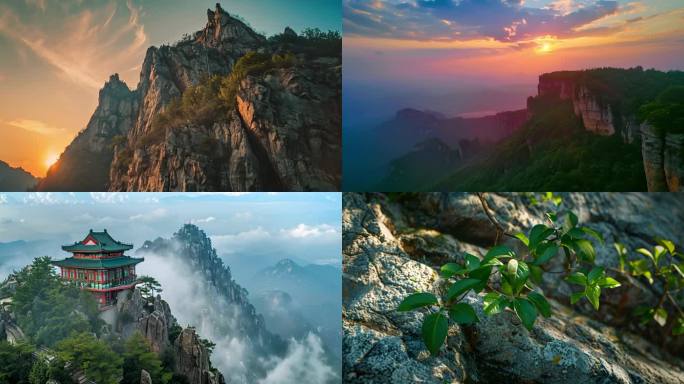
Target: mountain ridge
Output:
[{"x": 281, "y": 133}]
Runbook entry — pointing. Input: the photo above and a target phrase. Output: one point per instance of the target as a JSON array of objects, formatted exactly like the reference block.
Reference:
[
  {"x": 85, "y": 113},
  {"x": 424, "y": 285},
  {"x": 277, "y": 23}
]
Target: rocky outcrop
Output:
[
  {"x": 229, "y": 315},
  {"x": 192, "y": 359},
  {"x": 663, "y": 155},
  {"x": 597, "y": 118},
  {"x": 84, "y": 165},
  {"x": 15, "y": 179},
  {"x": 392, "y": 248},
  {"x": 145, "y": 377},
  {"x": 597, "y": 115},
  {"x": 284, "y": 133}
]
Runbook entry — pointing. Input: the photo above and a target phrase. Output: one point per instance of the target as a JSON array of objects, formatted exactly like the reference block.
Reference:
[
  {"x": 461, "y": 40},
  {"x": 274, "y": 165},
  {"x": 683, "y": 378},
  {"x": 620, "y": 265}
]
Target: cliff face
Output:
[
  {"x": 596, "y": 116},
  {"x": 283, "y": 134},
  {"x": 394, "y": 248},
  {"x": 663, "y": 155},
  {"x": 84, "y": 165}
]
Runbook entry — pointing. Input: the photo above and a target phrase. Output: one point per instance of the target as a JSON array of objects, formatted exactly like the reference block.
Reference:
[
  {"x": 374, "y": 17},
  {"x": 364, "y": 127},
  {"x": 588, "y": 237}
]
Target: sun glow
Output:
[{"x": 51, "y": 159}]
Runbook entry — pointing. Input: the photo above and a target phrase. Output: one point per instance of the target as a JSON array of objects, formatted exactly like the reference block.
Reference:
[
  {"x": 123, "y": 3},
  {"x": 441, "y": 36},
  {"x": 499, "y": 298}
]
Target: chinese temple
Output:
[{"x": 99, "y": 265}]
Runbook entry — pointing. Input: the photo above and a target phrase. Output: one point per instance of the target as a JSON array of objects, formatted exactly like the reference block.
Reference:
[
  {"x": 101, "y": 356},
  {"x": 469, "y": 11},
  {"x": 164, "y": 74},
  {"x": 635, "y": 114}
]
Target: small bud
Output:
[{"x": 512, "y": 266}]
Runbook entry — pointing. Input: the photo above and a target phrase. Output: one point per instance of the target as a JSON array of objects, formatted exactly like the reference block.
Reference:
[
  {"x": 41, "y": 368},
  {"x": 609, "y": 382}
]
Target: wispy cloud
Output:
[
  {"x": 35, "y": 126},
  {"x": 90, "y": 43},
  {"x": 499, "y": 20}
]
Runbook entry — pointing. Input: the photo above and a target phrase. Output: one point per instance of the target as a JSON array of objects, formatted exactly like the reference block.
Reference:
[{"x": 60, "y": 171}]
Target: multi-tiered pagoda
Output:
[{"x": 99, "y": 265}]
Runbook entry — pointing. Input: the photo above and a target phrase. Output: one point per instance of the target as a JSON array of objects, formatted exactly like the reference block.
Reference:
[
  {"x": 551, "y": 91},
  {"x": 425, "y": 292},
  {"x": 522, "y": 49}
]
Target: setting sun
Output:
[{"x": 51, "y": 159}]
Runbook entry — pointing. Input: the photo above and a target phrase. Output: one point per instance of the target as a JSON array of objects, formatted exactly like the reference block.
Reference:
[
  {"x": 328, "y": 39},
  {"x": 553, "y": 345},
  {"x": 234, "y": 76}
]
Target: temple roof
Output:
[
  {"x": 96, "y": 242},
  {"x": 114, "y": 262}
]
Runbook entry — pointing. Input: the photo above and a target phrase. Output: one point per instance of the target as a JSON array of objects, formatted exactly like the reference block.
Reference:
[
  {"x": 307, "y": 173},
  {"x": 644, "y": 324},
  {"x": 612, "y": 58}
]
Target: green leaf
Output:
[
  {"x": 538, "y": 233},
  {"x": 660, "y": 316},
  {"x": 521, "y": 236},
  {"x": 472, "y": 262},
  {"x": 463, "y": 313},
  {"x": 575, "y": 297},
  {"x": 679, "y": 327},
  {"x": 460, "y": 287},
  {"x": 495, "y": 305},
  {"x": 526, "y": 312},
  {"x": 498, "y": 251},
  {"x": 536, "y": 274},
  {"x": 608, "y": 282},
  {"x": 482, "y": 274},
  {"x": 646, "y": 253},
  {"x": 585, "y": 250},
  {"x": 521, "y": 275},
  {"x": 570, "y": 221},
  {"x": 540, "y": 302},
  {"x": 596, "y": 235},
  {"x": 658, "y": 252},
  {"x": 668, "y": 245},
  {"x": 552, "y": 216},
  {"x": 577, "y": 278},
  {"x": 595, "y": 274},
  {"x": 593, "y": 292},
  {"x": 417, "y": 300},
  {"x": 678, "y": 269},
  {"x": 547, "y": 255},
  {"x": 435, "y": 327},
  {"x": 451, "y": 269},
  {"x": 575, "y": 233}
]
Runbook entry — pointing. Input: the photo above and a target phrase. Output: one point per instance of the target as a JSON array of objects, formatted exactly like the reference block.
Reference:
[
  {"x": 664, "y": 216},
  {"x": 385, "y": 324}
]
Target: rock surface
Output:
[
  {"x": 84, "y": 165},
  {"x": 284, "y": 133},
  {"x": 192, "y": 359},
  {"x": 663, "y": 155},
  {"x": 392, "y": 247}
]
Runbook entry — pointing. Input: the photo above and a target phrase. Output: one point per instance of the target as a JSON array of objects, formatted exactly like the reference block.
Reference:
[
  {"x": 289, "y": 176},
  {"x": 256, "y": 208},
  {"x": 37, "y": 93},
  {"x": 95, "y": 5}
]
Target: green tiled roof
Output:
[
  {"x": 115, "y": 262},
  {"x": 104, "y": 243}
]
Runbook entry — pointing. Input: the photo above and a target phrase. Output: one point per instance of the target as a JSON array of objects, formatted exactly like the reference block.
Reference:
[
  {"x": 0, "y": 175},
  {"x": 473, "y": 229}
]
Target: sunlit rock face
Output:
[
  {"x": 283, "y": 134},
  {"x": 597, "y": 118}
]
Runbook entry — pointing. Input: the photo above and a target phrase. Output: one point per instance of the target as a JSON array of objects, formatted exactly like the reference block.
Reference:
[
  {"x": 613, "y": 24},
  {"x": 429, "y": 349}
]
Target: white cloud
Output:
[
  {"x": 49, "y": 198},
  {"x": 156, "y": 214},
  {"x": 35, "y": 126},
  {"x": 3, "y": 198},
  {"x": 109, "y": 197},
  {"x": 242, "y": 240},
  {"x": 205, "y": 220},
  {"x": 305, "y": 231},
  {"x": 304, "y": 363},
  {"x": 86, "y": 46}
]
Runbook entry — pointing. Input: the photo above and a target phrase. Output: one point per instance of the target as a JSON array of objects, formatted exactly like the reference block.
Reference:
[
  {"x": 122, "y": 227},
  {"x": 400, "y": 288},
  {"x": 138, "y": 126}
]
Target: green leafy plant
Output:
[
  {"x": 664, "y": 267},
  {"x": 517, "y": 289}
]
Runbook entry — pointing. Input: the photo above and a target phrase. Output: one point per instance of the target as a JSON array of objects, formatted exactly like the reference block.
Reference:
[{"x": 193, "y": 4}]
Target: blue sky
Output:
[{"x": 302, "y": 226}]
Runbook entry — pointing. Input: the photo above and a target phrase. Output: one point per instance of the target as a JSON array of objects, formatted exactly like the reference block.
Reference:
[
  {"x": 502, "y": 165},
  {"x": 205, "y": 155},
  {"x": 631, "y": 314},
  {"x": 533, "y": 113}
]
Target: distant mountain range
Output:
[
  {"x": 296, "y": 299},
  {"x": 15, "y": 179}
]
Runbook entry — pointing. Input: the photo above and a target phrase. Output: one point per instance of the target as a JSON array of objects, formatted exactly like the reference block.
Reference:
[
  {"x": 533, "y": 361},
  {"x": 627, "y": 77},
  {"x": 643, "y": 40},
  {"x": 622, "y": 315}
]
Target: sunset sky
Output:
[
  {"x": 55, "y": 55},
  {"x": 471, "y": 43}
]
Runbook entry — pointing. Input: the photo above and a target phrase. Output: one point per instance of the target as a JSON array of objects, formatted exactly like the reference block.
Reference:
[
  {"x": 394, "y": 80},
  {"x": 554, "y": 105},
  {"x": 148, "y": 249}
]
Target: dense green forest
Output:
[
  {"x": 553, "y": 151},
  {"x": 62, "y": 324}
]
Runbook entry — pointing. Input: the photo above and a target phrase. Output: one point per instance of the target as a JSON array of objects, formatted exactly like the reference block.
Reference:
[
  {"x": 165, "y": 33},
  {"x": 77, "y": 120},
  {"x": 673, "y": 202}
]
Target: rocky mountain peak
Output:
[
  {"x": 285, "y": 266},
  {"x": 223, "y": 28}
]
